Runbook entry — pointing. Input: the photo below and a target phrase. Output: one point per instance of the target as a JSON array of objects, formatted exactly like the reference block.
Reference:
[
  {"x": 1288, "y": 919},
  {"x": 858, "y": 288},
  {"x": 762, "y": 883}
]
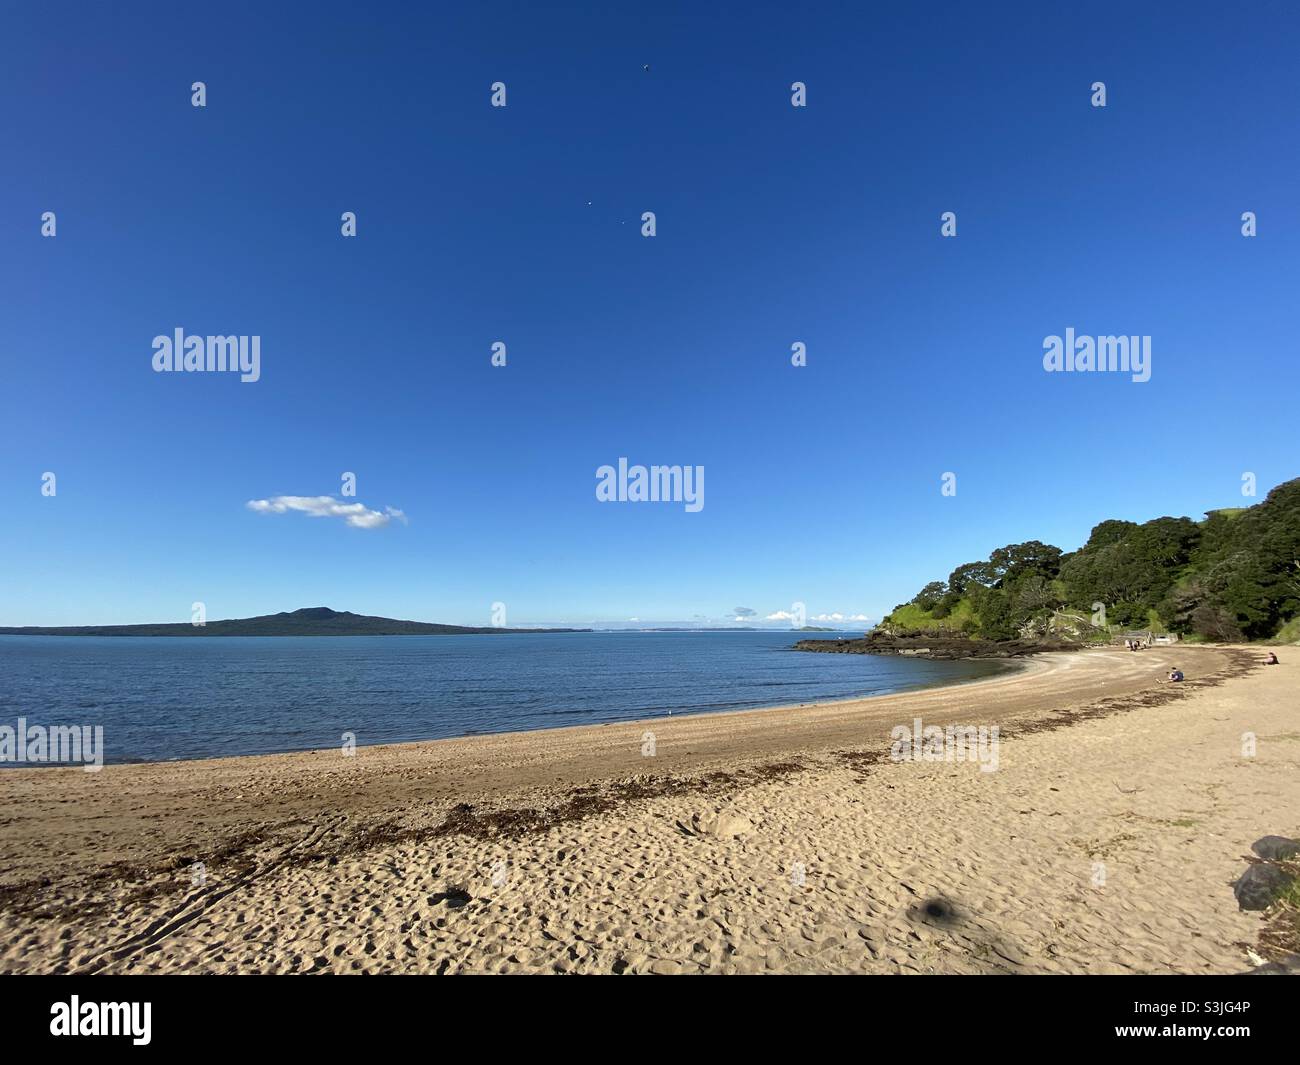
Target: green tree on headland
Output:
[{"x": 1234, "y": 575}]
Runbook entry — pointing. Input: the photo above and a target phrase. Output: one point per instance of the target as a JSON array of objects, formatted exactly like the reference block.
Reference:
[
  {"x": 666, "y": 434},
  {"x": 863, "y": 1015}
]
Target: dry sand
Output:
[{"x": 778, "y": 840}]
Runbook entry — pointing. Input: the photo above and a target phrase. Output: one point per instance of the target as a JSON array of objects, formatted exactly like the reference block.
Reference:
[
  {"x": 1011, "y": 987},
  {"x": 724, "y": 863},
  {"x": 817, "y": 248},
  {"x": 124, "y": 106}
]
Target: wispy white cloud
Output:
[
  {"x": 357, "y": 515},
  {"x": 837, "y": 616}
]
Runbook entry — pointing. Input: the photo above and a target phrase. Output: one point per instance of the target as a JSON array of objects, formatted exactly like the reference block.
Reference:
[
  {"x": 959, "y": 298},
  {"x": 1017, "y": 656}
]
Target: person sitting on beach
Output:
[
  {"x": 1175, "y": 674},
  {"x": 1271, "y": 660}
]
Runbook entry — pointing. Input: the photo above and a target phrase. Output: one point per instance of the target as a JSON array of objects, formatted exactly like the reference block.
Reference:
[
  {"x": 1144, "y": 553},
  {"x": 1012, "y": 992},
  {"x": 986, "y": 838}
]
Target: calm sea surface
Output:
[{"x": 201, "y": 697}]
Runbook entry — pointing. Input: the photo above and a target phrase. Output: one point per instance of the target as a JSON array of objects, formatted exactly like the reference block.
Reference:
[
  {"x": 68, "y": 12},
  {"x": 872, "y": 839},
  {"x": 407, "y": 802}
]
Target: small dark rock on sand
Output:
[
  {"x": 1259, "y": 886},
  {"x": 1276, "y": 848}
]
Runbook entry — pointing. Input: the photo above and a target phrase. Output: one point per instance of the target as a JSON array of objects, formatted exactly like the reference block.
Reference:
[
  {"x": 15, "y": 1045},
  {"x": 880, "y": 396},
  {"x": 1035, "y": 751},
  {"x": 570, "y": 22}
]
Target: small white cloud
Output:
[
  {"x": 780, "y": 615},
  {"x": 837, "y": 616},
  {"x": 357, "y": 515}
]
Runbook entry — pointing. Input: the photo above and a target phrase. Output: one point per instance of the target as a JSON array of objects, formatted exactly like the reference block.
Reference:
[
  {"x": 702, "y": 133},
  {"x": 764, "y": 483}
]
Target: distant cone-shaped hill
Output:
[{"x": 310, "y": 621}]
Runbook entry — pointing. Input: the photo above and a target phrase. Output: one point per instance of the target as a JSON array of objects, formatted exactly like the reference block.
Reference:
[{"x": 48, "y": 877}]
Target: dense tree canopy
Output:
[{"x": 1234, "y": 575}]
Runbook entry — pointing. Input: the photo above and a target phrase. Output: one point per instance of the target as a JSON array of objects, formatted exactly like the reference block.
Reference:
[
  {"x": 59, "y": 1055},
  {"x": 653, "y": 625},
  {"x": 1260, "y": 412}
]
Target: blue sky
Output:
[{"x": 521, "y": 224}]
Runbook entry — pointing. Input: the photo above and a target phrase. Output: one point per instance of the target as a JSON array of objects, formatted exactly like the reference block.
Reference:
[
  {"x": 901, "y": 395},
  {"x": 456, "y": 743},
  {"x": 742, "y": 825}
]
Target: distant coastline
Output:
[
  {"x": 310, "y": 621},
  {"x": 937, "y": 646}
]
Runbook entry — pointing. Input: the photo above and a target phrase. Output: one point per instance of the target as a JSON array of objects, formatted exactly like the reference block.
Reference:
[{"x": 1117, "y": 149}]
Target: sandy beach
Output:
[{"x": 781, "y": 840}]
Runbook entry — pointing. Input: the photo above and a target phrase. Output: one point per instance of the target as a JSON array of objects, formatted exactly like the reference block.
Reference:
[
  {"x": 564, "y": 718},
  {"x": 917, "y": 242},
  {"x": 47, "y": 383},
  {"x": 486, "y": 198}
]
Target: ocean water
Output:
[{"x": 201, "y": 697}]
